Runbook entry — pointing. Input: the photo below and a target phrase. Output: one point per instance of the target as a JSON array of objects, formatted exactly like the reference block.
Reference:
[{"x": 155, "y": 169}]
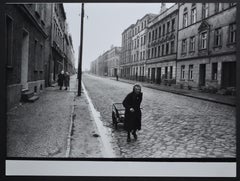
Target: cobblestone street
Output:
[{"x": 173, "y": 126}]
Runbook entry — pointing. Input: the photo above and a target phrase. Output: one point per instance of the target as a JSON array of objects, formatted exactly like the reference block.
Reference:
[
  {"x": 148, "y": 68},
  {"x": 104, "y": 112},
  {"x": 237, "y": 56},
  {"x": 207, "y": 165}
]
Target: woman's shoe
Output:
[{"x": 134, "y": 135}]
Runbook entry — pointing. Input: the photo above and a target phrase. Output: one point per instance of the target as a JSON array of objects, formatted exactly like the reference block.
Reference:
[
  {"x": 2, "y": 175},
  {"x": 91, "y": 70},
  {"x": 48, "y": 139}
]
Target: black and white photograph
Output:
[{"x": 121, "y": 80}]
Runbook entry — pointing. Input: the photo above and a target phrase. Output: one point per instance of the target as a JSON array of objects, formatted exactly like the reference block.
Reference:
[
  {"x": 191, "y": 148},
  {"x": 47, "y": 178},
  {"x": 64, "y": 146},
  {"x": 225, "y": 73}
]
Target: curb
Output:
[
  {"x": 178, "y": 93},
  {"x": 70, "y": 133}
]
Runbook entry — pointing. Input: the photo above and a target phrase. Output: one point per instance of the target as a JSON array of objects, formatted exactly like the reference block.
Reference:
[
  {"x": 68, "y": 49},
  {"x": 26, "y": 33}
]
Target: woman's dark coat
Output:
[
  {"x": 66, "y": 80},
  {"x": 132, "y": 119},
  {"x": 60, "y": 79}
]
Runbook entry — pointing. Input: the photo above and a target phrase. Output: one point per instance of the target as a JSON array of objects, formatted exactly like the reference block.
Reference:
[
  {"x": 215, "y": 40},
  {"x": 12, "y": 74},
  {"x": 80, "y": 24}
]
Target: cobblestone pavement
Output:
[{"x": 173, "y": 126}]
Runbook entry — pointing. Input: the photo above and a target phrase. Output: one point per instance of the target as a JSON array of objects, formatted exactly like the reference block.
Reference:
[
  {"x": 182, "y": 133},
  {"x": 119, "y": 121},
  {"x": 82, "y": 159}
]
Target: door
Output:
[
  {"x": 159, "y": 73},
  {"x": 202, "y": 75},
  {"x": 228, "y": 74},
  {"x": 24, "y": 60},
  {"x": 153, "y": 75}
]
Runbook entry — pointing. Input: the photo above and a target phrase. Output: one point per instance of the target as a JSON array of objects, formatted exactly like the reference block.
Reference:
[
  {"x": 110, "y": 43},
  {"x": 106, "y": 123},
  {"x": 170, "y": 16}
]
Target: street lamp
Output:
[{"x": 80, "y": 54}]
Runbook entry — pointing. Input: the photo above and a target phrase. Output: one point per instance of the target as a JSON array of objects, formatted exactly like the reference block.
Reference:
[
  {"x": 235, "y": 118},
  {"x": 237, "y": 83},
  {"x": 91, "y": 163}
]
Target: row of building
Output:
[
  {"x": 38, "y": 46},
  {"x": 189, "y": 44}
]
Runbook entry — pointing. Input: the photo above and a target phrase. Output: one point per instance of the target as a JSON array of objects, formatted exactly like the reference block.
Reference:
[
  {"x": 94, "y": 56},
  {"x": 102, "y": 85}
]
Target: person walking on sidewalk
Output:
[
  {"x": 61, "y": 79},
  {"x": 133, "y": 114},
  {"x": 66, "y": 80}
]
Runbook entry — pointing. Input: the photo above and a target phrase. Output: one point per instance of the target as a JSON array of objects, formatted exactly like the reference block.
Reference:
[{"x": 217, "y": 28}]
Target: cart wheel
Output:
[{"x": 113, "y": 118}]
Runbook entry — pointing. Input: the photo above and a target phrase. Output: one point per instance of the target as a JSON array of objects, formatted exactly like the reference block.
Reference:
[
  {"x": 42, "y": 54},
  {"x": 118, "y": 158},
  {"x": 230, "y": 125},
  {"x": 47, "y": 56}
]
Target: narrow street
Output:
[{"x": 173, "y": 126}]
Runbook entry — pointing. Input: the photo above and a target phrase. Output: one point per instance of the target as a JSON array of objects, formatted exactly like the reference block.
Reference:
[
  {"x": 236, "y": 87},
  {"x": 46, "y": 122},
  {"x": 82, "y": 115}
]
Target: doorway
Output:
[
  {"x": 24, "y": 60},
  {"x": 202, "y": 75},
  {"x": 228, "y": 74},
  {"x": 159, "y": 73},
  {"x": 153, "y": 75}
]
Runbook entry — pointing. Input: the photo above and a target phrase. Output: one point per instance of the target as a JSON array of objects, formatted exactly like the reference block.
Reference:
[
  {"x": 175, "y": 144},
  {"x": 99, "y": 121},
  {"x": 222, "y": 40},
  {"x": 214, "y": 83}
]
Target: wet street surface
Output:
[{"x": 173, "y": 126}]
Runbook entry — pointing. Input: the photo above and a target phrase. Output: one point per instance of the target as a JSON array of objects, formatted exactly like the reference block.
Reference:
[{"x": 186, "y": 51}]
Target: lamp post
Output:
[{"x": 80, "y": 54}]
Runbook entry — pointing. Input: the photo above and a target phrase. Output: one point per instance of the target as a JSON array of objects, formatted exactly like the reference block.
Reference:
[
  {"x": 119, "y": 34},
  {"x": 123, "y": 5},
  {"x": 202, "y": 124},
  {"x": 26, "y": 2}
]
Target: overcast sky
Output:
[{"x": 103, "y": 25}]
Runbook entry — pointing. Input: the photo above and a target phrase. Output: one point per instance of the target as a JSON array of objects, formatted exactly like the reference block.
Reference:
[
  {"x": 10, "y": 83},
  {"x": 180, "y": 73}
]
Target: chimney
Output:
[{"x": 163, "y": 7}]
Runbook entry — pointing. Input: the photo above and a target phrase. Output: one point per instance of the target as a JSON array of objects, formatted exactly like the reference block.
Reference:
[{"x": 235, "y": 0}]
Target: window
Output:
[
  {"x": 205, "y": 10},
  {"x": 156, "y": 33},
  {"x": 173, "y": 24},
  {"x": 9, "y": 36},
  {"x": 144, "y": 39},
  {"x": 152, "y": 35},
  {"x": 184, "y": 46},
  {"x": 193, "y": 15},
  {"x": 163, "y": 52},
  {"x": 217, "y": 37},
  {"x": 167, "y": 48},
  {"x": 203, "y": 40},
  {"x": 214, "y": 71},
  {"x": 168, "y": 27},
  {"x": 218, "y": 7},
  {"x": 143, "y": 56},
  {"x": 171, "y": 72},
  {"x": 172, "y": 47},
  {"x": 185, "y": 18},
  {"x": 138, "y": 42},
  {"x": 192, "y": 44},
  {"x": 182, "y": 71},
  {"x": 163, "y": 30},
  {"x": 190, "y": 72},
  {"x": 155, "y": 52},
  {"x": 159, "y": 51},
  {"x": 166, "y": 72},
  {"x": 35, "y": 55},
  {"x": 149, "y": 36},
  {"x": 152, "y": 52},
  {"x": 232, "y": 33},
  {"x": 41, "y": 58},
  {"x": 159, "y": 31}
]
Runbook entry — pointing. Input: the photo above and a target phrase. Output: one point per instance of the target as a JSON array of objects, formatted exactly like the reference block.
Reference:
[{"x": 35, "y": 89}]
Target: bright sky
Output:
[{"x": 103, "y": 25}]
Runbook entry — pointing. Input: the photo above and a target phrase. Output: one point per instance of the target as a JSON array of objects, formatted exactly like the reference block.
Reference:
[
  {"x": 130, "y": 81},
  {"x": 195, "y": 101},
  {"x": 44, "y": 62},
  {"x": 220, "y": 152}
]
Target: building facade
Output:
[
  {"x": 162, "y": 46},
  {"x": 207, "y": 45},
  {"x": 113, "y": 61},
  {"x": 126, "y": 53},
  {"x": 34, "y": 47},
  {"x": 189, "y": 44},
  {"x": 107, "y": 64},
  {"x": 25, "y": 36}
]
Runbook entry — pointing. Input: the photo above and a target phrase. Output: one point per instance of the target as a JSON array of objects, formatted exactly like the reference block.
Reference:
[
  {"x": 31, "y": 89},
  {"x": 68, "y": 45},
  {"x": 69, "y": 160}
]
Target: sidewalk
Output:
[
  {"x": 44, "y": 129},
  {"x": 222, "y": 99}
]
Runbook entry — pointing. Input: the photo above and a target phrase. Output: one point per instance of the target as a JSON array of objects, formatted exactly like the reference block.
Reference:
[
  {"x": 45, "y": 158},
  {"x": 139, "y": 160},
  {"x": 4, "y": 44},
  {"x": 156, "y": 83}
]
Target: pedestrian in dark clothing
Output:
[
  {"x": 66, "y": 80},
  {"x": 133, "y": 113},
  {"x": 61, "y": 79}
]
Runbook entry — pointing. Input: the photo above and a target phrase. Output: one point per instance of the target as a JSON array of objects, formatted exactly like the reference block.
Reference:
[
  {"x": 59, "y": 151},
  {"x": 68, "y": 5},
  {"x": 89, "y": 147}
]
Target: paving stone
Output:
[{"x": 181, "y": 126}]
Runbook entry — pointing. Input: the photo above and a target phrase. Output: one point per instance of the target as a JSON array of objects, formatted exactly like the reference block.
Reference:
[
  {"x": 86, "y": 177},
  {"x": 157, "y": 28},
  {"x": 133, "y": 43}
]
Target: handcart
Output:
[{"x": 118, "y": 114}]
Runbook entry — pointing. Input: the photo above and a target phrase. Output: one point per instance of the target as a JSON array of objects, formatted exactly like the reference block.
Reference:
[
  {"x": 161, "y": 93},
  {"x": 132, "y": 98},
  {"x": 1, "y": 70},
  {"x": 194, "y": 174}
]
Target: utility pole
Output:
[{"x": 80, "y": 54}]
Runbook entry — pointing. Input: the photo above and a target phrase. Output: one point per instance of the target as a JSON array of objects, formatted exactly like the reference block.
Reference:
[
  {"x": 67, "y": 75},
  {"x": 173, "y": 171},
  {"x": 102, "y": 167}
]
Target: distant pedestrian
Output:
[
  {"x": 117, "y": 77},
  {"x": 61, "y": 79},
  {"x": 66, "y": 80},
  {"x": 133, "y": 113}
]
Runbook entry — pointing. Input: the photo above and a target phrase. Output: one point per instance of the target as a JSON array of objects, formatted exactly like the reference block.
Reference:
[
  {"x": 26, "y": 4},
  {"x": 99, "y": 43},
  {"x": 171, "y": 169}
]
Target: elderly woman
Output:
[
  {"x": 66, "y": 80},
  {"x": 133, "y": 113},
  {"x": 61, "y": 79}
]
